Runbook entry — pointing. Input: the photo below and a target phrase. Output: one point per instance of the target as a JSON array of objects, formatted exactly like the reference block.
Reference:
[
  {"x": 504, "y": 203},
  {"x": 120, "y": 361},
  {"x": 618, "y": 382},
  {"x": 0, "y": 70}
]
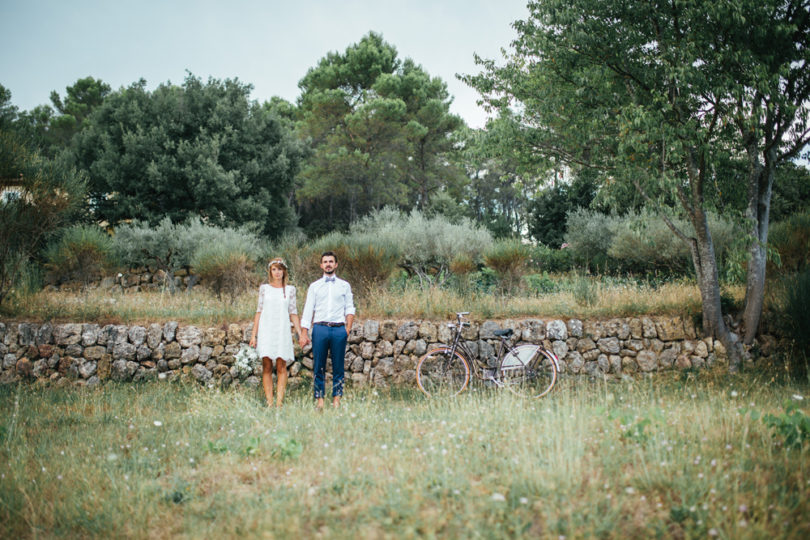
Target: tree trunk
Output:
[
  {"x": 760, "y": 185},
  {"x": 703, "y": 258}
]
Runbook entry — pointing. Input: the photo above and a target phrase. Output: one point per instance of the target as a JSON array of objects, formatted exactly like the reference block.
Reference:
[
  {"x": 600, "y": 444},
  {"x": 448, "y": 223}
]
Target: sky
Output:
[{"x": 49, "y": 44}]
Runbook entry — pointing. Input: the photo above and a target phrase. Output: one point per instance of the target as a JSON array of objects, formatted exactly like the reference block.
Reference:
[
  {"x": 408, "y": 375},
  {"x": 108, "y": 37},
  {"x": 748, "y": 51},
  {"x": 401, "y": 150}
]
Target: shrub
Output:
[
  {"x": 551, "y": 259},
  {"x": 796, "y": 298},
  {"x": 791, "y": 238},
  {"x": 172, "y": 246},
  {"x": 589, "y": 236},
  {"x": 508, "y": 258},
  {"x": 82, "y": 253},
  {"x": 227, "y": 269}
]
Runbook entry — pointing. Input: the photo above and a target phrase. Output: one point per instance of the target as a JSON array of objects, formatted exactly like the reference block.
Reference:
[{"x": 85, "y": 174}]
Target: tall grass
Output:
[
  {"x": 687, "y": 457},
  {"x": 604, "y": 299}
]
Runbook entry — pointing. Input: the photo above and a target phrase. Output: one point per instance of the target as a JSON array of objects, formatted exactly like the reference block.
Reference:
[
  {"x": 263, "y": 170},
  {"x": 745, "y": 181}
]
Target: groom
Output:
[{"x": 331, "y": 306}]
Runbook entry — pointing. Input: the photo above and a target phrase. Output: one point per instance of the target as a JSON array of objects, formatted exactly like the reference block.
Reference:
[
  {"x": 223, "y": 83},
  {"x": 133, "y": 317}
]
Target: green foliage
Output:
[
  {"x": 285, "y": 447},
  {"x": 36, "y": 197},
  {"x": 541, "y": 283},
  {"x": 550, "y": 259},
  {"x": 584, "y": 290},
  {"x": 200, "y": 149},
  {"x": 791, "y": 239},
  {"x": 791, "y": 191},
  {"x": 589, "y": 236},
  {"x": 793, "y": 426},
  {"x": 81, "y": 253},
  {"x": 379, "y": 128},
  {"x": 795, "y": 313}
]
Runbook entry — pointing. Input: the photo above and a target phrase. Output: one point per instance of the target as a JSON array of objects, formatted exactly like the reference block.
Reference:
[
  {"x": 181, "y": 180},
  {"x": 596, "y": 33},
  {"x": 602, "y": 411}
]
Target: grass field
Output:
[{"x": 692, "y": 455}]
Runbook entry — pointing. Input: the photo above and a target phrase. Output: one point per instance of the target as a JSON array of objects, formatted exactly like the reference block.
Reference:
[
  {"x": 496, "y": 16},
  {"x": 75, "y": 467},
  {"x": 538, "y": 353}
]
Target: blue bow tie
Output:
[{"x": 330, "y": 279}]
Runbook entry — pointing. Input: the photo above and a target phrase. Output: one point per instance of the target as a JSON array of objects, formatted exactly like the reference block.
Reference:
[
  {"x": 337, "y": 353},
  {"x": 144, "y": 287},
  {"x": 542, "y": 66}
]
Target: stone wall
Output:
[
  {"x": 131, "y": 280},
  {"x": 380, "y": 353}
]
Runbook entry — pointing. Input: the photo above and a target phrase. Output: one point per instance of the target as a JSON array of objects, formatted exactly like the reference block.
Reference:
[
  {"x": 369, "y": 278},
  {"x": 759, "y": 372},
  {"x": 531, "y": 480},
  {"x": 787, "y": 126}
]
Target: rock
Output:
[
  {"x": 585, "y": 344},
  {"x": 488, "y": 330},
  {"x": 123, "y": 370},
  {"x": 636, "y": 330},
  {"x": 88, "y": 369},
  {"x": 124, "y": 351},
  {"x": 604, "y": 363},
  {"x": 384, "y": 348},
  {"x": 137, "y": 335},
  {"x": 560, "y": 348},
  {"x": 121, "y": 335},
  {"x": 647, "y": 360},
  {"x": 189, "y": 335},
  {"x": 104, "y": 367},
  {"x": 169, "y": 331},
  {"x": 45, "y": 350},
  {"x": 388, "y": 331},
  {"x": 670, "y": 329},
  {"x": 74, "y": 350},
  {"x": 172, "y": 350},
  {"x": 67, "y": 334},
  {"x": 594, "y": 330},
  {"x": 367, "y": 350},
  {"x": 648, "y": 328},
  {"x": 667, "y": 358},
  {"x": 428, "y": 331},
  {"x": 214, "y": 336},
  {"x": 609, "y": 345},
  {"x": 371, "y": 330},
  {"x": 235, "y": 335},
  {"x": 629, "y": 364},
  {"x": 24, "y": 367},
  {"x": 94, "y": 353},
  {"x": 534, "y": 331},
  {"x": 420, "y": 347},
  {"x": 106, "y": 335},
  {"x": 45, "y": 334},
  {"x": 154, "y": 336},
  {"x": 444, "y": 334},
  {"x": 575, "y": 361},
  {"x": 90, "y": 334},
  {"x": 206, "y": 353},
  {"x": 93, "y": 381},
  {"x": 615, "y": 363},
  {"x": 143, "y": 353},
  {"x": 575, "y": 328},
  {"x": 683, "y": 362},
  {"x": 399, "y": 345},
  {"x": 701, "y": 349},
  {"x": 557, "y": 330},
  {"x": 190, "y": 355},
  {"x": 27, "y": 334}
]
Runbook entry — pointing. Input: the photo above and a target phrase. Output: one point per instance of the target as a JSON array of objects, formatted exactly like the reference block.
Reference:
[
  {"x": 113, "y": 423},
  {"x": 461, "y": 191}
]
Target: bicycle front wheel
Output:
[
  {"x": 528, "y": 371},
  {"x": 440, "y": 373}
]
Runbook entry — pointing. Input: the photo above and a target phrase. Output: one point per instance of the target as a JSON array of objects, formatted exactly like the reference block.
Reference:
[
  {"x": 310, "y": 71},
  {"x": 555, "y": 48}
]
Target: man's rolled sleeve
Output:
[
  {"x": 309, "y": 309},
  {"x": 349, "y": 306}
]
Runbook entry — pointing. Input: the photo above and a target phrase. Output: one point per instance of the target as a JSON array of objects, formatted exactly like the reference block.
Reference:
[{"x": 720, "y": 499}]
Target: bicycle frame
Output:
[{"x": 475, "y": 360}]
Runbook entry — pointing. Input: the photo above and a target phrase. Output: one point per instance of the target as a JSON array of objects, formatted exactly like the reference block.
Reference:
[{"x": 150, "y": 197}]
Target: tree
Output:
[
  {"x": 651, "y": 93},
  {"x": 36, "y": 196},
  {"x": 380, "y": 132},
  {"x": 200, "y": 149}
]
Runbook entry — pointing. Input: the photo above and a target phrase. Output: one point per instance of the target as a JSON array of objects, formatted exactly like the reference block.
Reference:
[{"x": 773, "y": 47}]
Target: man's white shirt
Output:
[{"x": 328, "y": 300}]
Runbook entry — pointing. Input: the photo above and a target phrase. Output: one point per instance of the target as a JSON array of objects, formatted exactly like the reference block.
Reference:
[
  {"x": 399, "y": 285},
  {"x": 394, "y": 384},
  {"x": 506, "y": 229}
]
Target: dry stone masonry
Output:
[{"x": 380, "y": 353}]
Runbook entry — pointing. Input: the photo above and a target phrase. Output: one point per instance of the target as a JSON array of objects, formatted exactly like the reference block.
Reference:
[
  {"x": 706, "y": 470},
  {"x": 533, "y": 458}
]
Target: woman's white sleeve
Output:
[{"x": 261, "y": 300}]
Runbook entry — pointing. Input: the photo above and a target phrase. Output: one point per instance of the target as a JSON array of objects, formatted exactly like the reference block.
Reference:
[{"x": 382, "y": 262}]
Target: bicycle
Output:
[{"x": 525, "y": 369}]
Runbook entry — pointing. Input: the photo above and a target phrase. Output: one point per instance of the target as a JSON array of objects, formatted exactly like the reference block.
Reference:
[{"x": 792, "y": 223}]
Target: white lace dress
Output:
[{"x": 274, "y": 339}]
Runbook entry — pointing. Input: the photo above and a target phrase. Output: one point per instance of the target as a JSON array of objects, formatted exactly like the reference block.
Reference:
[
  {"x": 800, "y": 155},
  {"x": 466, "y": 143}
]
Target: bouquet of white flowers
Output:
[{"x": 245, "y": 360}]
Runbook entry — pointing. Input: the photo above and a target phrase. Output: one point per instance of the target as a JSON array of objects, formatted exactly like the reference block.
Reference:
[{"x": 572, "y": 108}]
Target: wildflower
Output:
[
  {"x": 713, "y": 532},
  {"x": 629, "y": 490},
  {"x": 734, "y": 393},
  {"x": 384, "y": 447},
  {"x": 498, "y": 497},
  {"x": 743, "y": 508},
  {"x": 157, "y": 423},
  {"x": 798, "y": 397},
  {"x": 524, "y": 500}
]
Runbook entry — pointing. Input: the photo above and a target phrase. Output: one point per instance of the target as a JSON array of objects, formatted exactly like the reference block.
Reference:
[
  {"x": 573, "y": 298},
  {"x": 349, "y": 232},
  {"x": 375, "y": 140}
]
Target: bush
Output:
[
  {"x": 82, "y": 253},
  {"x": 508, "y": 258},
  {"x": 550, "y": 259},
  {"x": 589, "y": 236},
  {"x": 227, "y": 269},
  {"x": 796, "y": 298},
  {"x": 172, "y": 246},
  {"x": 791, "y": 238}
]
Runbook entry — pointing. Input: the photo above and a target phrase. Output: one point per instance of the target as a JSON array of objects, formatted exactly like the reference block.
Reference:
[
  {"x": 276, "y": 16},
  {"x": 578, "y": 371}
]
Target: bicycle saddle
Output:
[{"x": 503, "y": 333}]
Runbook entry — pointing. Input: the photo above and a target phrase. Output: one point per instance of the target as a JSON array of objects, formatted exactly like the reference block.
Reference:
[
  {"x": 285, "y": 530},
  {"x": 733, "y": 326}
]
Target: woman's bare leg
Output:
[
  {"x": 281, "y": 377},
  {"x": 267, "y": 380}
]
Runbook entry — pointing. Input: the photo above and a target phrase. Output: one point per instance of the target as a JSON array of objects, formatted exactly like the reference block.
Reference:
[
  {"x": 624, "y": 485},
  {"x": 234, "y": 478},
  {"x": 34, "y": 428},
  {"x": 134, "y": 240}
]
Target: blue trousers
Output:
[{"x": 326, "y": 339}]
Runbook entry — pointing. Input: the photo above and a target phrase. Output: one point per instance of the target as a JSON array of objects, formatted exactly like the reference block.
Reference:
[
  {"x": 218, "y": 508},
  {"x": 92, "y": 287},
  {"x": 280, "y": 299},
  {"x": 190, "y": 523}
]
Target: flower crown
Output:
[{"x": 279, "y": 261}]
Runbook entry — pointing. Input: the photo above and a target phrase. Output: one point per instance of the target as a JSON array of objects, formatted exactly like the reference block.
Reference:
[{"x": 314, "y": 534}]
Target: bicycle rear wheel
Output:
[
  {"x": 440, "y": 373},
  {"x": 528, "y": 371}
]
